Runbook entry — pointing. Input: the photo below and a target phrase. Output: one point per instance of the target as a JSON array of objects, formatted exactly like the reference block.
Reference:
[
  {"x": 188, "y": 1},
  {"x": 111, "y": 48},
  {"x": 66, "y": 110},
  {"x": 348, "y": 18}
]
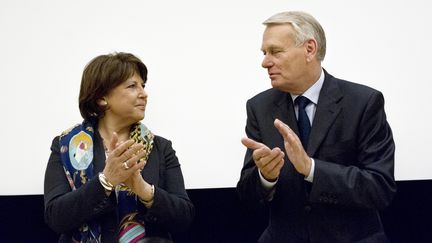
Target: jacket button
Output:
[{"x": 307, "y": 208}]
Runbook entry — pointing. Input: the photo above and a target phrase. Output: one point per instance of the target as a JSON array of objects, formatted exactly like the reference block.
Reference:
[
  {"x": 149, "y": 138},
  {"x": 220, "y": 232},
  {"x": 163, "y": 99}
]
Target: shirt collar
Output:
[{"x": 313, "y": 92}]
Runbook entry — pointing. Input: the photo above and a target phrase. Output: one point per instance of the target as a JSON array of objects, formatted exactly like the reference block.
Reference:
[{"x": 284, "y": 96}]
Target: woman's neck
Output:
[{"x": 106, "y": 128}]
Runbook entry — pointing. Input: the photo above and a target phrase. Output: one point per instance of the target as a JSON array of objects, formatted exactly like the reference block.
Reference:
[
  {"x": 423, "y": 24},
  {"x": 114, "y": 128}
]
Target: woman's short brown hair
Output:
[{"x": 101, "y": 75}]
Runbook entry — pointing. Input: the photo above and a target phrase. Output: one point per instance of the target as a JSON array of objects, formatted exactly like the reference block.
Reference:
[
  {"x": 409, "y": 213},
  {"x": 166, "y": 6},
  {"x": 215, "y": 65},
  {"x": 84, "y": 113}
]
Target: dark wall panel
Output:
[{"x": 221, "y": 218}]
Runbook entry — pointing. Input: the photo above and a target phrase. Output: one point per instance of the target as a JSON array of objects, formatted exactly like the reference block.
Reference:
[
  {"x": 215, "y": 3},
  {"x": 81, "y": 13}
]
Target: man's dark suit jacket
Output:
[
  {"x": 172, "y": 211},
  {"x": 352, "y": 145}
]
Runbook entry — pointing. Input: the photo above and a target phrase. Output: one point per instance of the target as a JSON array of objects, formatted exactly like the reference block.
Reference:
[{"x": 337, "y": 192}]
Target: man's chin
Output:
[
  {"x": 281, "y": 86},
  {"x": 276, "y": 84}
]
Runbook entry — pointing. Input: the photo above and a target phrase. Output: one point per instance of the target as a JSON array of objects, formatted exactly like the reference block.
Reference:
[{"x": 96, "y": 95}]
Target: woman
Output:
[{"x": 110, "y": 179}]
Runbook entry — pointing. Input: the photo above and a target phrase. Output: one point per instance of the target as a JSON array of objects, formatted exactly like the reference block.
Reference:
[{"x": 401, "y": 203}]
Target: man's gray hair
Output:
[{"x": 305, "y": 26}]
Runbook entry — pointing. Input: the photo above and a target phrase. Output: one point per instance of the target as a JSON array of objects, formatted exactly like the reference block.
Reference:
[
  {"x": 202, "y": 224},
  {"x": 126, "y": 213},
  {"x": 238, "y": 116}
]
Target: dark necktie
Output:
[{"x": 303, "y": 120}]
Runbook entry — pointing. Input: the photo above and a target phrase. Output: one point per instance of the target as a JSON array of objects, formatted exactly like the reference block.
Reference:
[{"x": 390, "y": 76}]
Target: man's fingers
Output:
[
  {"x": 264, "y": 159},
  {"x": 251, "y": 144},
  {"x": 286, "y": 132},
  {"x": 282, "y": 128},
  {"x": 272, "y": 170}
]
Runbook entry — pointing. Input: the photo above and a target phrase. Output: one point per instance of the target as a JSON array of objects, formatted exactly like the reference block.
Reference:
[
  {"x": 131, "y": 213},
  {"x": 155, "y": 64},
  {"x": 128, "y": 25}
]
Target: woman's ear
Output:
[{"x": 102, "y": 102}]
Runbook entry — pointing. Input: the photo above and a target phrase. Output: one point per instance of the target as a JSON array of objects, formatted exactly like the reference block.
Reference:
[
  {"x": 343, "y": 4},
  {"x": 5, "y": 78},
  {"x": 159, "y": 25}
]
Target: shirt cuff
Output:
[
  {"x": 311, "y": 173},
  {"x": 265, "y": 183}
]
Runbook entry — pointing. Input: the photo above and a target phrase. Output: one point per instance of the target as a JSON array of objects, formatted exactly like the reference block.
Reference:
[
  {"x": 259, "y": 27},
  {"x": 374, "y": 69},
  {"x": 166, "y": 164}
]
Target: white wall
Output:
[{"x": 204, "y": 63}]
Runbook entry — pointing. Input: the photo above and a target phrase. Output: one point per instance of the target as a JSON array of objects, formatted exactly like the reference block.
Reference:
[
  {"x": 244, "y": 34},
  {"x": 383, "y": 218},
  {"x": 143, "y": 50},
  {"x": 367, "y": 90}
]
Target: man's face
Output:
[{"x": 284, "y": 61}]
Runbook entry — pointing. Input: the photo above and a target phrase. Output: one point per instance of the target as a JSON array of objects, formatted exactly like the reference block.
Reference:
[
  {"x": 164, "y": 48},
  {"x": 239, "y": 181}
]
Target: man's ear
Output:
[{"x": 311, "y": 48}]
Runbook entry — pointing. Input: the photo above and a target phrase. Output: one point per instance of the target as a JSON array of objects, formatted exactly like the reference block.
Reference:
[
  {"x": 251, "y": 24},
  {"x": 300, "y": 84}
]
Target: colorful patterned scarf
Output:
[{"x": 76, "y": 151}]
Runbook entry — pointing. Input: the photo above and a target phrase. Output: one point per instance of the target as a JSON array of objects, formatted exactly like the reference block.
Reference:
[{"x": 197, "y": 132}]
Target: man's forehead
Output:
[{"x": 277, "y": 41}]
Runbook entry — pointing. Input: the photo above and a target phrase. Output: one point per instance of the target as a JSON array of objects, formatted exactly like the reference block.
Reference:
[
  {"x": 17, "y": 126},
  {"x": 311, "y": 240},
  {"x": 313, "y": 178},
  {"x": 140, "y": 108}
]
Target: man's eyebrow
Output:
[{"x": 271, "y": 48}]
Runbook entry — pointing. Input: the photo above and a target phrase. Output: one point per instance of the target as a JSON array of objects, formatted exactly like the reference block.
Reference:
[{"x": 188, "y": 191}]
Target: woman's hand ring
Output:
[{"x": 125, "y": 166}]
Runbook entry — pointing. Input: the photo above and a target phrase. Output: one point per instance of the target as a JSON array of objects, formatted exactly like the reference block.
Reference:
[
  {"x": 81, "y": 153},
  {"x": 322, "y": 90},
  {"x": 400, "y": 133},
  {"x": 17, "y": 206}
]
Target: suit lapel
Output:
[
  {"x": 99, "y": 152},
  {"x": 327, "y": 110},
  {"x": 284, "y": 111},
  {"x": 150, "y": 172}
]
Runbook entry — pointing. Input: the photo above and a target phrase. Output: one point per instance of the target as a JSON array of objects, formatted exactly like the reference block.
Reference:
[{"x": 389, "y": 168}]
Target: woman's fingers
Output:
[
  {"x": 121, "y": 147},
  {"x": 133, "y": 162},
  {"x": 113, "y": 142}
]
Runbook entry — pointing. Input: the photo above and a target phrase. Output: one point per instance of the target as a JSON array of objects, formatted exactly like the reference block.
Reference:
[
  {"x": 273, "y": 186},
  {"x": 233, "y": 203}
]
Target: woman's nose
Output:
[{"x": 143, "y": 93}]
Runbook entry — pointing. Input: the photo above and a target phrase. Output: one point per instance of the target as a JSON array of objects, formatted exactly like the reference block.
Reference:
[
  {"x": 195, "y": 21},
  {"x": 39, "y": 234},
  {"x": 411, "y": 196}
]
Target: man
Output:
[{"x": 323, "y": 165}]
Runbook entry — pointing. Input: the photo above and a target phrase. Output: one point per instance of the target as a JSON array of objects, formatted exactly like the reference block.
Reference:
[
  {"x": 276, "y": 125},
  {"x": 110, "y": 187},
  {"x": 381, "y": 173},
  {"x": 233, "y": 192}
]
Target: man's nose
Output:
[{"x": 267, "y": 62}]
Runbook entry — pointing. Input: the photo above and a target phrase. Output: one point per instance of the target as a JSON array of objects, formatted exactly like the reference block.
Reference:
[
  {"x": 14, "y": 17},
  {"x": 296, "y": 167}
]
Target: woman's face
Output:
[{"x": 127, "y": 102}]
